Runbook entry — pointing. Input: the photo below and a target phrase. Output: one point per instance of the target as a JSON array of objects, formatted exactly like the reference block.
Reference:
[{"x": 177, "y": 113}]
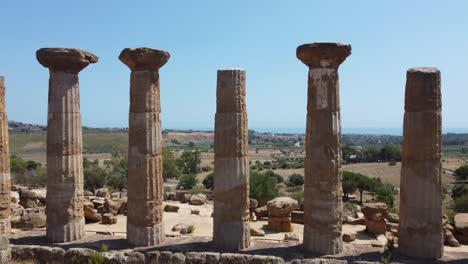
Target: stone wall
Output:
[{"x": 56, "y": 255}]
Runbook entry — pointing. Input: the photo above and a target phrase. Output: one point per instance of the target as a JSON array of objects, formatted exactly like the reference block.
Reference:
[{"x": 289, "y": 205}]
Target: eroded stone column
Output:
[
  {"x": 5, "y": 181},
  {"x": 231, "y": 168},
  {"x": 65, "y": 218},
  {"x": 323, "y": 174},
  {"x": 420, "y": 227},
  {"x": 145, "y": 179}
]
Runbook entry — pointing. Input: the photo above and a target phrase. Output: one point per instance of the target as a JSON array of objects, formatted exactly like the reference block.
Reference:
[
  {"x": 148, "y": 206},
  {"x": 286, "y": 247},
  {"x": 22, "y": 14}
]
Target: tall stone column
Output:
[
  {"x": 145, "y": 179},
  {"x": 5, "y": 181},
  {"x": 65, "y": 218},
  {"x": 420, "y": 229},
  {"x": 323, "y": 174},
  {"x": 231, "y": 166}
]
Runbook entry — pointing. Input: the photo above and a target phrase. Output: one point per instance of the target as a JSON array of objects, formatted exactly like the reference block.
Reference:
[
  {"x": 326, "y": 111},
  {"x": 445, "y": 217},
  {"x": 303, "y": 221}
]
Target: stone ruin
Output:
[{"x": 421, "y": 218}]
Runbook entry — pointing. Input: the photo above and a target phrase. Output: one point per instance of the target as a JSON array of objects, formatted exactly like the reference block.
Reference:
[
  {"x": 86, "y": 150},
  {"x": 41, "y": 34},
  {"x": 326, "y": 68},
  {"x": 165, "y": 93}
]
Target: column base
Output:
[
  {"x": 5, "y": 226},
  {"x": 428, "y": 246},
  {"x": 145, "y": 236},
  {"x": 323, "y": 243},
  {"x": 72, "y": 231},
  {"x": 232, "y": 236}
]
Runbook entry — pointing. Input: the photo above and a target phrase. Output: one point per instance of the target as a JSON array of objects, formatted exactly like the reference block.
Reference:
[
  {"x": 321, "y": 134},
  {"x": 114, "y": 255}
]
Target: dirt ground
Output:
[{"x": 271, "y": 244}]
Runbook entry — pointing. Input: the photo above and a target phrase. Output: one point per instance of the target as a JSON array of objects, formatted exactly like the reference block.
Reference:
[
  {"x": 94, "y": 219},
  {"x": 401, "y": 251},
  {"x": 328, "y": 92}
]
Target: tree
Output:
[
  {"x": 189, "y": 161},
  {"x": 187, "y": 181},
  {"x": 348, "y": 184},
  {"x": 295, "y": 179},
  {"x": 385, "y": 195},
  {"x": 371, "y": 154},
  {"x": 390, "y": 152},
  {"x": 208, "y": 182},
  {"x": 462, "y": 172},
  {"x": 170, "y": 169},
  {"x": 262, "y": 187}
]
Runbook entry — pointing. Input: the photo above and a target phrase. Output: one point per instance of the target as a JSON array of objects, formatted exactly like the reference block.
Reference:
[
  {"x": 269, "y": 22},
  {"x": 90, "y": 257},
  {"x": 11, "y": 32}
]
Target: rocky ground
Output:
[{"x": 188, "y": 226}]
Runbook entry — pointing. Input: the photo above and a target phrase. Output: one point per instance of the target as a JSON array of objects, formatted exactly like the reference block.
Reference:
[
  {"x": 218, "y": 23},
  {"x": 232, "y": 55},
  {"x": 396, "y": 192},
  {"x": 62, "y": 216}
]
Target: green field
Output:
[{"x": 92, "y": 142}]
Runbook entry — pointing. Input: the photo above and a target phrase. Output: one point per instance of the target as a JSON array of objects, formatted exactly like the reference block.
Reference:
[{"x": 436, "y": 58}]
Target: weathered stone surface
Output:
[
  {"x": 322, "y": 166},
  {"x": 282, "y": 207},
  {"x": 297, "y": 217},
  {"x": 420, "y": 194},
  {"x": 135, "y": 258},
  {"x": 109, "y": 219},
  {"x": 65, "y": 216},
  {"x": 279, "y": 224},
  {"x": 103, "y": 193},
  {"x": 256, "y": 232},
  {"x": 5, "y": 178},
  {"x": 145, "y": 181},
  {"x": 461, "y": 226},
  {"x": 349, "y": 237},
  {"x": 198, "y": 199},
  {"x": 375, "y": 211},
  {"x": 291, "y": 237},
  {"x": 91, "y": 214},
  {"x": 449, "y": 239},
  {"x": 112, "y": 206},
  {"x": 195, "y": 257},
  {"x": 231, "y": 166},
  {"x": 256, "y": 259},
  {"x": 144, "y": 59},
  {"x": 114, "y": 258},
  {"x": 261, "y": 211},
  {"x": 32, "y": 218},
  {"x": 376, "y": 227},
  {"x": 393, "y": 218},
  {"x": 171, "y": 208},
  {"x": 65, "y": 60},
  {"x": 78, "y": 255},
  {"x": 230, "y": 258}
]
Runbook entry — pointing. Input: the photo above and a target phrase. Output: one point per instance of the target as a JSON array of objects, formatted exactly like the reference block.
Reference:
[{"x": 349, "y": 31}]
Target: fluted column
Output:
[
  {"x": 145, "y": 179},
  {"x": 65, "y": 218},
  {"x": 5, "y": 181},
  {"x": 420, "y": 227},
  {"x": 231, "y": 166},
  {"x": 323, "y": 174}
]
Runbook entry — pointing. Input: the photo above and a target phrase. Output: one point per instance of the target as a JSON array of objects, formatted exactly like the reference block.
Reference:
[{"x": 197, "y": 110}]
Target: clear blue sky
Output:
[{"x": 387, "y": 38}]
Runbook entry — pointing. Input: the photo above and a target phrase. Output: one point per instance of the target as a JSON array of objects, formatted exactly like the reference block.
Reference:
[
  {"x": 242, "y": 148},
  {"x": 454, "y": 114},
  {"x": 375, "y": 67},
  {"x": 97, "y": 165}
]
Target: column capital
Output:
[
  {"x": 66, "y": 60},
  {"x": 144, "y": 59},
  {"x": 323, "y": 54}
]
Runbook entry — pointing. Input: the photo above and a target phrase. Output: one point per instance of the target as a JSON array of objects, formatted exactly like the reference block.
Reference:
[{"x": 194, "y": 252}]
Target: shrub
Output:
[
  {"x": 262, "y": 187},
  {"x": 190, "y": 229},
  {"x": 295, "y": 179},
  {"x": 462, "y": 172},
  {"x": 198, "y": 189},
  {"x": 392, "y": 163},
  {"x": 207, "y": 168},
  {"x": 461, "y": 204},
  {"x": 208, "y": 182},
  {"x": 298, "y": 196},
  {"x": 276, "y": 176},
  {"x": 187, "y": 181}
]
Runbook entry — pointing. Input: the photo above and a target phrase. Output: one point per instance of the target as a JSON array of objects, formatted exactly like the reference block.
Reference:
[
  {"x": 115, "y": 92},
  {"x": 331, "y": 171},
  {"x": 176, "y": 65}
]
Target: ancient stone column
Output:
[
  {"x": 323, "y": 174},
  {"x": 231, "y": 166},
  {"x": 145, "y": 179},
  {"x": 65, "y": 218},
  {"x": 420, "y": 227},
  {"x": 5, "y": 181}
]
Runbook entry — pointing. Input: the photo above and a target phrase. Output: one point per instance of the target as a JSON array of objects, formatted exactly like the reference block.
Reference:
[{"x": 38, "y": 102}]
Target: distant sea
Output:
[{"x": 395, "y": 131}]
